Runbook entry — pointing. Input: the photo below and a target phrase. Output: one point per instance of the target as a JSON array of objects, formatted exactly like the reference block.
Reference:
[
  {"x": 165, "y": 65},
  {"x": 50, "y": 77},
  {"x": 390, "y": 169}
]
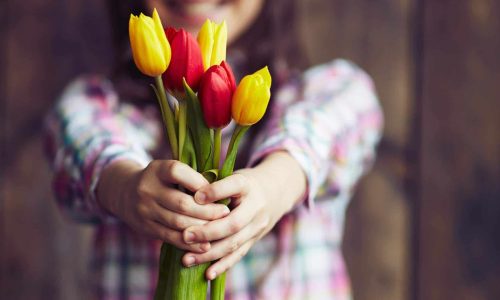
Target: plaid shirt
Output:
[{"x": 329, "y": 121}]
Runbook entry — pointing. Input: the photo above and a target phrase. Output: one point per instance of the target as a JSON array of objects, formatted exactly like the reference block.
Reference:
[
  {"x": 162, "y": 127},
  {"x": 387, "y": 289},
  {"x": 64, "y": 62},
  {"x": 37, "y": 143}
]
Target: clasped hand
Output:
[{"x": 154, "y": 205}]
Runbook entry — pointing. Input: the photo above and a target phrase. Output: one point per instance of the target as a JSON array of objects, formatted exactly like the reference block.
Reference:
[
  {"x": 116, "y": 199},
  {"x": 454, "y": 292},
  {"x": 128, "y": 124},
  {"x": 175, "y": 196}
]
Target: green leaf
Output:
[
  {"x": 185, "y": 283},
  {"x": 161, "y": 286},
  {"x": 202, "y": 139},
  {"x": 167, "y": 115},
  {"x": 211, "y": 175},
  {"x": 228, "y": 166},
  {"x": 189, "y": 154}
]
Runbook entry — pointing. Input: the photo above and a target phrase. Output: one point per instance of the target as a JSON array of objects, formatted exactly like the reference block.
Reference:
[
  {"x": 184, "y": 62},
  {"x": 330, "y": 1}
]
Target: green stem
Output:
[
  {"x": 217, "y": 143},
  {"x": 182, "y": 125},
  {"x": 186, "y": 283},
  {"x": 217, "y": 287},
  {"x": 176, "y": 282},
  {"x": 232, "y": 151},
  {"x": 163, "y": 270},
  {"x": 167, "y": 115}
]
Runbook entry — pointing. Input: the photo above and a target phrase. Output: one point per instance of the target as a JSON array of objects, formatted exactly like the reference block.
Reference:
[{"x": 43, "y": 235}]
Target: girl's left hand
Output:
[{"x": 255, "y": 212}]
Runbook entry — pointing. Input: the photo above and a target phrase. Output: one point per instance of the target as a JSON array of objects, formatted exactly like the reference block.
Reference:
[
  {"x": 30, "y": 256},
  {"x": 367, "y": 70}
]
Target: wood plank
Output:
[
  {"x": 460, "y": 151},
  {"x": 44, "y": 53},
  {"x": 377, "y": 36},
  {"x": 40, "y": 249},
  {"x": 43, "y": 250},
  {"x": 3, "y": 132}
]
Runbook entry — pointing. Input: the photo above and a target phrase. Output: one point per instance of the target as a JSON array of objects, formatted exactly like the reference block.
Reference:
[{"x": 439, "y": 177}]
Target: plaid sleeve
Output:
[
  {"x": 88, "y": 130},
  {"x": 330, "y": 122}
]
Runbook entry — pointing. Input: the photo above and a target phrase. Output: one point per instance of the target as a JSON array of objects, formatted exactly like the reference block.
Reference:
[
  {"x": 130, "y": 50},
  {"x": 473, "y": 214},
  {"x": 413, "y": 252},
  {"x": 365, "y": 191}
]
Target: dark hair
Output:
[
  {"x": 273, "y": 41},
  {"x": 129, "y": 83}
]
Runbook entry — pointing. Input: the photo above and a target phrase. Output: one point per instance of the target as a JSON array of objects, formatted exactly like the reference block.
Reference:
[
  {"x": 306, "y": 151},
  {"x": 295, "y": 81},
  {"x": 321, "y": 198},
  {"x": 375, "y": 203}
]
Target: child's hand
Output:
[
  {"x": 261, "y": 196},
  {"x": 150, "y": 203}
]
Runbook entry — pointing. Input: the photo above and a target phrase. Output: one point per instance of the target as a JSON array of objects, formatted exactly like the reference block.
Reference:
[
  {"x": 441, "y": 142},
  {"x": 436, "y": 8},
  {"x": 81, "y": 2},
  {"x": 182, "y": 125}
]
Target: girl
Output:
[{"x": 282, "y": 237}]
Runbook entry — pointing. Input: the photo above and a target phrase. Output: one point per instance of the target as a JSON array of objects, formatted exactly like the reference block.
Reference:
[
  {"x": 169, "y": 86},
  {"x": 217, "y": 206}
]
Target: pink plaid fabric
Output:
[{"x": 329, "y": 120}]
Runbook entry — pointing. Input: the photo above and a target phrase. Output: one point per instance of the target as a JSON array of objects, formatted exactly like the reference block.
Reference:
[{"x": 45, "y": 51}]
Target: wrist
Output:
[
  {"x": 283, "y": 179},
  {"x": 116, "y": 185}
]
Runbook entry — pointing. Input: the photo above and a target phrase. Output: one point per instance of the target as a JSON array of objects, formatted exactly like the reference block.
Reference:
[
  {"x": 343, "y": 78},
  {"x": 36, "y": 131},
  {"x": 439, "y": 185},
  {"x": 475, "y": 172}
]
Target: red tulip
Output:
[
  {"x": 186, "y": 61},
  {"x": 216, "y": 91}
]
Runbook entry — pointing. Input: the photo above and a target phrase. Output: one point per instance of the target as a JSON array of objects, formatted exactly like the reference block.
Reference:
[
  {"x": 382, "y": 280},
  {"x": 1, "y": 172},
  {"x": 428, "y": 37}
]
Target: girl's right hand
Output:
[{"x": 150, "y": 204}]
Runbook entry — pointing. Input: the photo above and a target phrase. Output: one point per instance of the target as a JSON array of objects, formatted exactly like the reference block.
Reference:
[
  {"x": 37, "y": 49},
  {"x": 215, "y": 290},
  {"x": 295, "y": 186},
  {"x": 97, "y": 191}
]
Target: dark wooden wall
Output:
[
  {"x": 459, "y": 149},
  {"x": 422, "y": 225},
  {"x": 377, "y": 36},
  {"x": 44, "y": 44}
]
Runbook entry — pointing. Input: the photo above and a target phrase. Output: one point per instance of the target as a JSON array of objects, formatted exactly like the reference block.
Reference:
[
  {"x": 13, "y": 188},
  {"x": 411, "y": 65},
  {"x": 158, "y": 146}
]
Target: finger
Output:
[
  {"x": 220, "y": 228},
  {"x": 234, "y": 185},
  {"x": 176, "y": 172},
  {"x": 228, "y": 261},
  {"x": 221, "y": 248},
  {"x": 175, "y": 238},
  {"x": 174, "y": 220},
  {"x": 182, "y": 203}
]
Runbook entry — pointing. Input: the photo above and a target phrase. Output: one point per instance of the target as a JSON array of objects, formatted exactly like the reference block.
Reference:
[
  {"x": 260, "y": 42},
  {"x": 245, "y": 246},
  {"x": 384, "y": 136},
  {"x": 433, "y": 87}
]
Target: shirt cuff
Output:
[
  {"x": 110, "y": 154},
  {"x": 303, "y": 154}
]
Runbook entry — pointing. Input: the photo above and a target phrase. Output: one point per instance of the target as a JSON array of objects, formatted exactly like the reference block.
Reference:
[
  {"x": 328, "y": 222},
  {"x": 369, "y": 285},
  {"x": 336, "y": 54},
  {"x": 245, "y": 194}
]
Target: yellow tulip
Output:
[
  {"x": 251, "y": 97},
  {"x": 212, "y": 39},
  {"x": 150, "y": 47}
]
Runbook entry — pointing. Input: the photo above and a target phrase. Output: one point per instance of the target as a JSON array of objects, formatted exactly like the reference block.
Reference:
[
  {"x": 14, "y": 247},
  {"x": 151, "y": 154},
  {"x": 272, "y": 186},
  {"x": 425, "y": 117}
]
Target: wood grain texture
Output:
[
  {"x": 377, "y": 36},
  {"x": 3, "y": 134},
  {"x": 460, "y": 151},
  {"x": 48, "y": 44},
  {"x": 44, "y": 256}
]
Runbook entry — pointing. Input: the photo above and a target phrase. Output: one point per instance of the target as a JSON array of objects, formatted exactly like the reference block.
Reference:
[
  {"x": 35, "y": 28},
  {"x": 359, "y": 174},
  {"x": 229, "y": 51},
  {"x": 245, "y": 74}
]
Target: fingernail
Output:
[
  {"x": 200, "y": 197},
  {"x": 205, "y": 247},
  {"x": 188, "y": 237},
  {"x": 212, "y": 275},
  {"x": 225, "y": 211},
  {"x": 189, "y": 261}
]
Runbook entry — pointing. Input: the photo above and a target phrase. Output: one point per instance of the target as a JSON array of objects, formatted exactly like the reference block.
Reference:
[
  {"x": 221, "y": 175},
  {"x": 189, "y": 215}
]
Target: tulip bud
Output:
[
  {"x": 150, "y": 48},
  {"x": 213, "y": 41},
  {"x": 216, "y": 91},
  {"x": 251, "y": 97},
  {"x": 186, "y": 63}
]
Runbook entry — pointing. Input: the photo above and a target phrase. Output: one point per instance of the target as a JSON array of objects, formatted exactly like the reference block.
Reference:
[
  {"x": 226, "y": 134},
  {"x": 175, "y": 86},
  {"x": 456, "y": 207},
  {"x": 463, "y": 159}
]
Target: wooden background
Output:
[{"x": 424, "y": 224}]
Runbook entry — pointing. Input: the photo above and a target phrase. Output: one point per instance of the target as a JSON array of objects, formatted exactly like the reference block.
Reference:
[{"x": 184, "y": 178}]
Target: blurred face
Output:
[{"x": 190, "y": 14}]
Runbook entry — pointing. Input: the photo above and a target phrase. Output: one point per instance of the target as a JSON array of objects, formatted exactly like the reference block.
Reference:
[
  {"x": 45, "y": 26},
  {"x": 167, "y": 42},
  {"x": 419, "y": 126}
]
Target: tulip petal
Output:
[
  {"x": 250, "y": 107},
  {"x": 160, "y": 33},
  {"x": 150, "y": 54},
  {"x": 251, "y": 98},
  {"x": 213, "y": 43},
  {"x": 239, "y": 98},
  {"x": 171, "y": 32},
  {"x": 266, "y": 76},
  {"x": 219, "y": 44},
  {"x": 230, "y": 75},
  {"x": 261, "y": 98},
  {"x": 153, "y": 59},
  {"x": 215, "y": 97},
  {"x": 187, "y": 62},
  {"x": 132, "y": 23},
  {"x": 206, "y": 42}
]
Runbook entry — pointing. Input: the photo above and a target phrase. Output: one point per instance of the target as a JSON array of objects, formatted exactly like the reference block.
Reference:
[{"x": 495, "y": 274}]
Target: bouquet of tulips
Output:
[{"x": 204, "y": 97}]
